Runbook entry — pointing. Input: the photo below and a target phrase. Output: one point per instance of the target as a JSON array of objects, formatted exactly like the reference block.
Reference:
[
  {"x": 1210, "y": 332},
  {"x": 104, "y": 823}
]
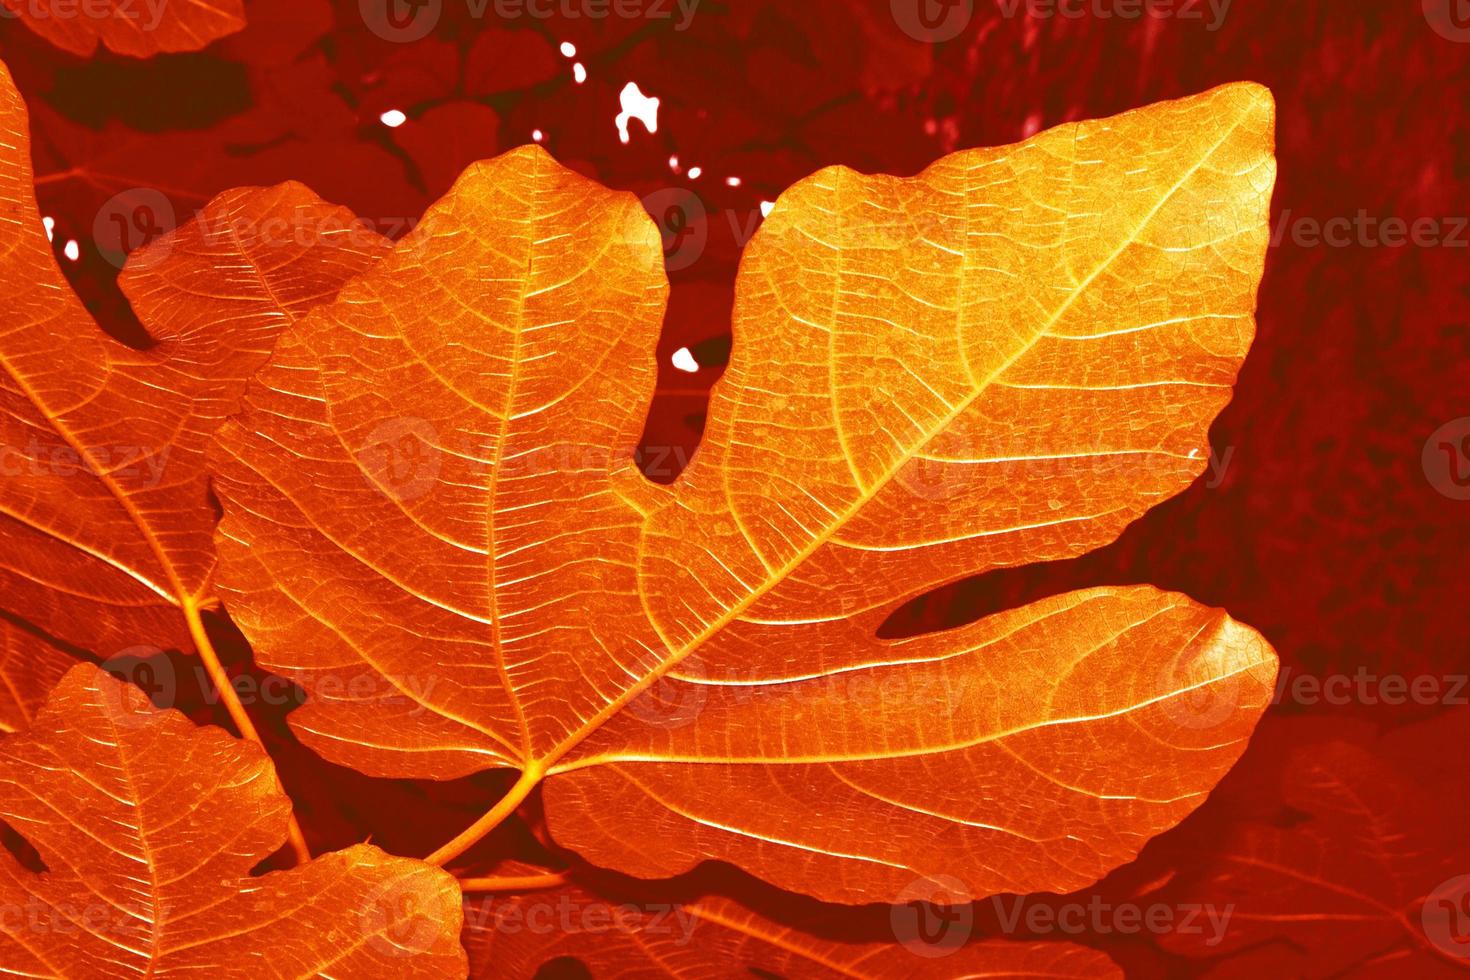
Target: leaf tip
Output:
[
  {"x": 1255, "y": 106},
  {"x": 1234, "y": 650}
]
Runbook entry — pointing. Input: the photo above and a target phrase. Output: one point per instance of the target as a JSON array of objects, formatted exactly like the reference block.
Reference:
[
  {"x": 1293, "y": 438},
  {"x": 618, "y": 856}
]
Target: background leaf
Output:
[
  {"x": 148, "y": 828},
  {"x": 105, "y": 503}
]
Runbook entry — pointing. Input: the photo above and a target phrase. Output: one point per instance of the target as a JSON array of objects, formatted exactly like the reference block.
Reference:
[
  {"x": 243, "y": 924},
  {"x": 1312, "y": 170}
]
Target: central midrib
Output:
[
  {"x": 492, "y": 486},
  {"x": 780, "y": 574}
]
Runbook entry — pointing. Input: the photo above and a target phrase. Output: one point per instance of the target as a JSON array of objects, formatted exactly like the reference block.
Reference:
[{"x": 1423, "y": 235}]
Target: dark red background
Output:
[{"x": 1327, "y": 533}]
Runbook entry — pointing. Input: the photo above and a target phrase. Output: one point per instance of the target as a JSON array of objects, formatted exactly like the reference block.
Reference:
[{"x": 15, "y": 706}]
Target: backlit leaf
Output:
[
  {"x": 134, "y": 27},
  {"x": 433, "y": 521},
  {"x": 148, "y": 828},
  {"x": 105, "y": 518}
]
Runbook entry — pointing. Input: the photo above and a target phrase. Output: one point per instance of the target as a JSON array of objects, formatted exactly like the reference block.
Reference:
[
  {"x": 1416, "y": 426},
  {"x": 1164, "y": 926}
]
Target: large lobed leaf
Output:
[
  {"x": 149, "y": 827},
  {"x": 105, "y": 515},
  {"x": 433, "y": 521}
]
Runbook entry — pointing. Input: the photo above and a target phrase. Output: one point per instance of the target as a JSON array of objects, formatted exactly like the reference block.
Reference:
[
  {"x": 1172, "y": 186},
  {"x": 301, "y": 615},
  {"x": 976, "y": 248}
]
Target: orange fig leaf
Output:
[
  {"x": 714, "y": 936},
  {"x": 148, "y": 828},
  {"x": 140, "y": 28},
  {"x": 105, "y": 517},
  {"x": 432, "y": 518},
  {"x": 30, "y": 666},
  {"x": 1010, "y": 754}
]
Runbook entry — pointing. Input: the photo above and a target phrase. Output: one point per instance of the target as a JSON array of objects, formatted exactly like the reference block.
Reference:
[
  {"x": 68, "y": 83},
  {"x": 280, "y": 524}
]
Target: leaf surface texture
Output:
[
  {"x": 149, "y": 828},
  {"x": 434, "y": 523},
  {"x": 104, "y": 508}
]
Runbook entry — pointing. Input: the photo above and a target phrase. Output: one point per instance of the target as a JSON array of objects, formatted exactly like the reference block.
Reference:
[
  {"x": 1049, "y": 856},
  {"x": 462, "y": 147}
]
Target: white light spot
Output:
[
  {"x": 732, "y": 181},
  {"x": 684, "y": 361},
  {"x": 674, "y": 163},
  {"x": 579, "y": 73},
  {"x": 393, "y": 118},
  {"x": 72, "y": 250},
  {"x": 50, "y": 224},
  {"x": 537, "y": 135},
  {"x": 696, "y": 172},
  {"x": 568, "y": 49},
  {"x": 766, "y": 208},
  {"x": 1194, "y": 454},
  {"x": 638, "y": 106}
]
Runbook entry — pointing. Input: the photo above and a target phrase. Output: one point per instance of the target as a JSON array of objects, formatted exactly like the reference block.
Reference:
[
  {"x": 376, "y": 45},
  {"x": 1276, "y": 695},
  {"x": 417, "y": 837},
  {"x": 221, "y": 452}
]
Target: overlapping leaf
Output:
[
  {"x": 134, "y": 27},
  {"x": 1274, "y": 857},
  {"x": 148, "y": 828},
  {"x": 105, "y": 517},
  {"x": 432, "y": 519},
  {"x": 718, "y": 937}
]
